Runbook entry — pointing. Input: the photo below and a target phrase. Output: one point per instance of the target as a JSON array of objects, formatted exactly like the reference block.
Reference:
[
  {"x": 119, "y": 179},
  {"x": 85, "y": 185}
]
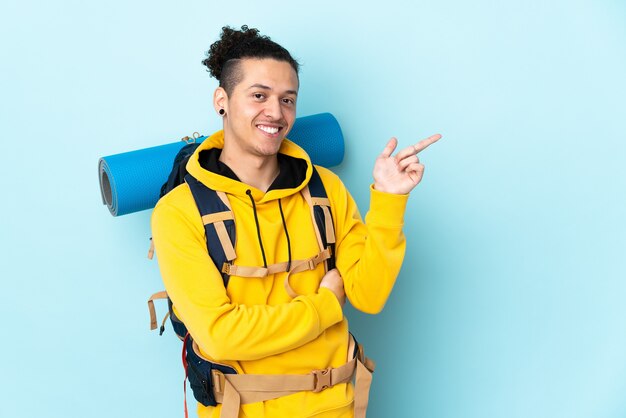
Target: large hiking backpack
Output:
[{"x": 220, "y": 231}]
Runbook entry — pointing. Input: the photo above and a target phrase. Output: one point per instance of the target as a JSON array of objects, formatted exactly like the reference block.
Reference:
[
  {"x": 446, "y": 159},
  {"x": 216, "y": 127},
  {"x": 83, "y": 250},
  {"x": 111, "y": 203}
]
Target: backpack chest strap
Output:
[
  {"x": 296, "y": 266},
  {"x": 304, "y": 265}
]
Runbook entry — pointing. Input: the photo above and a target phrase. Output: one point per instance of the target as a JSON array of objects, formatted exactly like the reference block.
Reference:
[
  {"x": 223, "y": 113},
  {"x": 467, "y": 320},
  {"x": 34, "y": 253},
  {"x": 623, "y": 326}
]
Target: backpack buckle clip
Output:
[{"x": 321, "y": 379}]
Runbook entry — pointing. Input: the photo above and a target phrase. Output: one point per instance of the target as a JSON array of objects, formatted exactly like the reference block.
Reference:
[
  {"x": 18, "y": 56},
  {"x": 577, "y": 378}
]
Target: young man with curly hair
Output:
[{"x": 254, "y": 325}]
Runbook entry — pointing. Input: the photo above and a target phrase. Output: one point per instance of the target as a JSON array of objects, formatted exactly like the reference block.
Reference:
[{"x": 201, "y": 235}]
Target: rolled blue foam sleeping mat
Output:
[{"x": 131, "y": 181}]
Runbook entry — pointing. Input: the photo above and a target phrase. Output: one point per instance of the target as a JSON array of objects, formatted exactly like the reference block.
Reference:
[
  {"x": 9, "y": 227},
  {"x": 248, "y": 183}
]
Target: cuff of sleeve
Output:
[
  {"x": 386, "y": 208},
  {"x": 328, "y": 309}
]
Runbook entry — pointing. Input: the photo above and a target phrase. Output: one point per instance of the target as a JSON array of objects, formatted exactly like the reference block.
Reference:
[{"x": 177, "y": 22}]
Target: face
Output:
[{"x": 261, "y": 109}]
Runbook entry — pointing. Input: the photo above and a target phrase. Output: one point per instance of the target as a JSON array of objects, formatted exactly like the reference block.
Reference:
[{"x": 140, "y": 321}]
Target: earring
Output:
[{"x": 222, "y": 112}]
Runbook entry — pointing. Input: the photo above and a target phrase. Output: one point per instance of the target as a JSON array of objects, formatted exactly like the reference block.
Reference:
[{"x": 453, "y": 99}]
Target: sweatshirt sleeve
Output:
[
  {"x": 224, "y": 330},
  {"x": 369, "y": 255}
]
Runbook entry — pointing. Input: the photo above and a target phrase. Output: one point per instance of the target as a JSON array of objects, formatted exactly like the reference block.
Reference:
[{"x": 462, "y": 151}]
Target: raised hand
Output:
[{"x": 400, "y": 174}]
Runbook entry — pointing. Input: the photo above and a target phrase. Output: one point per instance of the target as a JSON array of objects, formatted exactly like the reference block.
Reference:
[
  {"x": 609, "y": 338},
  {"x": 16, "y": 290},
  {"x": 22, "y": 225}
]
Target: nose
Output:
[{"x": 273, "y": 110}]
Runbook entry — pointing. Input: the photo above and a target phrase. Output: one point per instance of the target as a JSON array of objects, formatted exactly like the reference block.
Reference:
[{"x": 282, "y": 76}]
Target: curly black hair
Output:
[{"x": 223, "y": 57}]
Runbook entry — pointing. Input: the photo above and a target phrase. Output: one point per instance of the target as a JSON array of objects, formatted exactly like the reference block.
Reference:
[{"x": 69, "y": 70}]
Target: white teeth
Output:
[{"x": 268, "y": 129}]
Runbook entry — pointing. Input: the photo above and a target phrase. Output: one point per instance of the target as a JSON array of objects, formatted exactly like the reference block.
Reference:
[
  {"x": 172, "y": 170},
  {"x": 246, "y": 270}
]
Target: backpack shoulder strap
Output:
[
  {"x": 179, "y": 170},
  {"x": 323, "y": 216},
  {"x": 219, "y": 223}
]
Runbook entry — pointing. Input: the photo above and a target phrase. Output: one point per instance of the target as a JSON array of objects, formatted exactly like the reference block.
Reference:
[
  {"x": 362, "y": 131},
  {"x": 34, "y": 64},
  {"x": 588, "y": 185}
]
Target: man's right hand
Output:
[{"x": 333, "y": 282}]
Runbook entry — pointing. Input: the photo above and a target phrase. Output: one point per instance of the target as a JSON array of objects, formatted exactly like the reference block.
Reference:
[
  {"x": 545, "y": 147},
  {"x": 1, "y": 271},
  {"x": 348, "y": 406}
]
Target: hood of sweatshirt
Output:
[{"x": 294, "y": 163}]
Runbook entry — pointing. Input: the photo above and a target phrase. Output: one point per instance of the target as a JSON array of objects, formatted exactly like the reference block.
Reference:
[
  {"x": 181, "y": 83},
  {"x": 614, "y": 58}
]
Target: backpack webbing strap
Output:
[
  {"x": 296, "y": 266},
  {"x": 224, "y": 237},
  {"x": 309, "y": 264},
  {"x": 362, "y": 389},
  {"x": 232, "y": 390},
  {"x": 217, "y": 217},
  {"x": 151, "y": 249},
  {"x": 219, "y": 223},
  {"x": 324, "y": 229},
  {"x": 321, "y": 205},
  {"x": 328, "y": 219},
  {"x": 307, "y": 196},
  {"x": 153, "y": 318}
]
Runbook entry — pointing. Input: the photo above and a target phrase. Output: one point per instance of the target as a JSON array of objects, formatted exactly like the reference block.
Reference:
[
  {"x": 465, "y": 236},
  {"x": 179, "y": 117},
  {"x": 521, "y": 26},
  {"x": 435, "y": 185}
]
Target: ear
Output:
[{"x": 220, "y": 100}]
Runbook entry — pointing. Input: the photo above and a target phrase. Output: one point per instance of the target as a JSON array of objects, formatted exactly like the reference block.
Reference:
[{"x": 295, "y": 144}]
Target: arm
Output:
[
  {"x": 369, "y": 256},
  {"x": 224, "y": 330}
]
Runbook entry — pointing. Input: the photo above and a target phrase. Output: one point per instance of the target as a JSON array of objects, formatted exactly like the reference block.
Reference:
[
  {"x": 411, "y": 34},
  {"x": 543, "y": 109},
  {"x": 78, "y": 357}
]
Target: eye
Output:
[
  {"x": 289, "y": 101},
  {"x": 258, "y": 96}
]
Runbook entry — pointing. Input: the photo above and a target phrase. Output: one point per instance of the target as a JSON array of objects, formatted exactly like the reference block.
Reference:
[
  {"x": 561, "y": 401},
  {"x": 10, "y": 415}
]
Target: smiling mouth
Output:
[{"x": 271, "y": 130}]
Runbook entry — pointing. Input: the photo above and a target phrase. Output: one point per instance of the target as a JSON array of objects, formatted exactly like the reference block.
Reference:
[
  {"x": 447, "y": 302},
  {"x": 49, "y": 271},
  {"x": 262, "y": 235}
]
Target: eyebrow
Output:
[{"x": 264, "y": 87}]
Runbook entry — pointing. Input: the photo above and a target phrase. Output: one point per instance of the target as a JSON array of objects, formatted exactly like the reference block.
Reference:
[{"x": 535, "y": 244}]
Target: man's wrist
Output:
[
  {"x": 383, "y": 189},
  {"x": 380, "y": 188}
]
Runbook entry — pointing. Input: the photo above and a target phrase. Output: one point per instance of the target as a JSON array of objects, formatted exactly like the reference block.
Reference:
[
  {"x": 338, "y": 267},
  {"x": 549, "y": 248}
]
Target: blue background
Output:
[{"x": 510, "y": 301}]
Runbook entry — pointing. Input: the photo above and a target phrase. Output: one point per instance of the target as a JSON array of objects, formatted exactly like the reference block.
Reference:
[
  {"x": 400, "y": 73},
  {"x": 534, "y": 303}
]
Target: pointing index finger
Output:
[{"x": 423, "y": 144}]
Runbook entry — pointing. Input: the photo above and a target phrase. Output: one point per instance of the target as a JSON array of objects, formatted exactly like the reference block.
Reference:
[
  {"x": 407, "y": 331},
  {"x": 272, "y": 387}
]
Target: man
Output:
[{"x": 277, "y": 325}]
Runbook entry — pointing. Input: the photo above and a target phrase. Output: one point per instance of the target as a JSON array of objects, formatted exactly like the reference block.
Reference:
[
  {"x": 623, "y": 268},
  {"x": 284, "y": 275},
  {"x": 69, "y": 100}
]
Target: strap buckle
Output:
[
  {"x": 219, "y": 381},
  {"x": 321, "y": 379},
  {"x": 315, "y": 260},
  {"x": 226, "y": 268}
]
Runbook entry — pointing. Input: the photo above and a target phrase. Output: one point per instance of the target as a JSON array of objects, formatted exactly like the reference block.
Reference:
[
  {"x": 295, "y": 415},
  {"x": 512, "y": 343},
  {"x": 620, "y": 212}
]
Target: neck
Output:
[{"x": 256, "y": 171}]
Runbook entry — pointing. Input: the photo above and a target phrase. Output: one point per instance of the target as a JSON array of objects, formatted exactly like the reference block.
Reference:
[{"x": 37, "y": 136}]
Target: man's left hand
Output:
[{"x": 400, "y": 174}]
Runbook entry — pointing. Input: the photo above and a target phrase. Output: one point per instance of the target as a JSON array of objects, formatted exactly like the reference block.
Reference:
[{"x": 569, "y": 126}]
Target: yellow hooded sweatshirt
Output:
[{"x": 253, "y": 325}]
